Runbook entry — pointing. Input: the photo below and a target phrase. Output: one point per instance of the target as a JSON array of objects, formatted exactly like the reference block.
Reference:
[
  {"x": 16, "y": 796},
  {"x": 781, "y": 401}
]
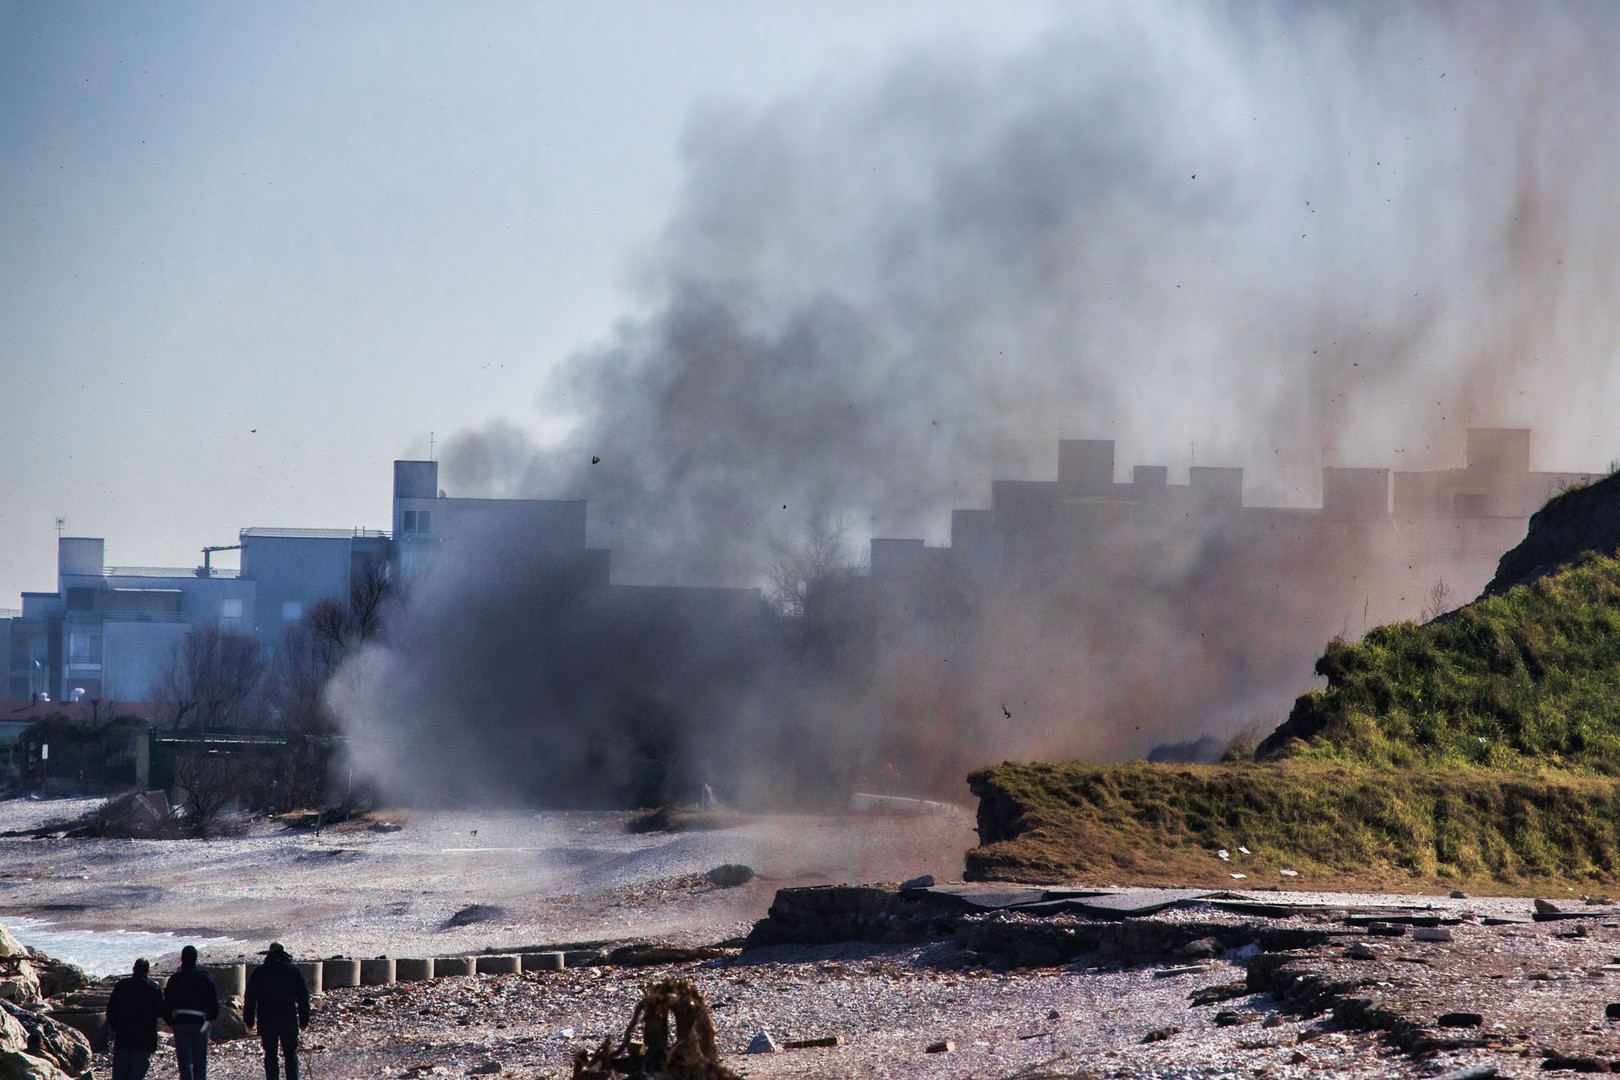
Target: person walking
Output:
[
  {"x": 133, "y": 1010},
  {"x": 278, "y": 999},
  {"x": 190, "y": 1004}
]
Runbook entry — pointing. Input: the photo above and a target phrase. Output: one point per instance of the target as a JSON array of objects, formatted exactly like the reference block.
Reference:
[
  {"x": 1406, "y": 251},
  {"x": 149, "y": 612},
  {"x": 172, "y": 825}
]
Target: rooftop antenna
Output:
[
  {"x": 430, "y": 447},
  {"x": 61, "y": 523}
]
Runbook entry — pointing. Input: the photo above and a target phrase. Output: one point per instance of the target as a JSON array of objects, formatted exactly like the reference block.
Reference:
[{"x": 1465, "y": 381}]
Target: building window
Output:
[
  {"x": 414, "y": 522},
  {"x": 292, "y": 610},
  {"x": 230, "y": 609},
  {"x": 79, "y": 648}
]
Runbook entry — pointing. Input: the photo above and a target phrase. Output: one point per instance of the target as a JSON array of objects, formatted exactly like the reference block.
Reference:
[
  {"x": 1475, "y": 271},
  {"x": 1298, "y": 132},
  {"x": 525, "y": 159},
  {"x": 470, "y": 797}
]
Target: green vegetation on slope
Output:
[
  {"x": 1334, "y": 824},
  {"x": 1525, "y": 681}
]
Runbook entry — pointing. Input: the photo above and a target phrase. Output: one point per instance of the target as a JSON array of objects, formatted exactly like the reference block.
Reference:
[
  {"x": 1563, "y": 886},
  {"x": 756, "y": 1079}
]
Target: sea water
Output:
[{"x": 101, "y": 952}]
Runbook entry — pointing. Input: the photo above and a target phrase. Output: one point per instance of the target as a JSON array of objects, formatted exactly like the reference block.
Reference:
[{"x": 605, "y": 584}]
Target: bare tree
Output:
[
  {"x": 211, "y": 680},
  {"x": 802, "y": 571},
  {"x": 340, "y": 627},
  {"x": 103, "y": 711},
  {"x": 1439, "y": 601},
  {"x": 813, "y": 585},
  {"x": 311, "y": 654},
  {"x": 209, "y": 781}
]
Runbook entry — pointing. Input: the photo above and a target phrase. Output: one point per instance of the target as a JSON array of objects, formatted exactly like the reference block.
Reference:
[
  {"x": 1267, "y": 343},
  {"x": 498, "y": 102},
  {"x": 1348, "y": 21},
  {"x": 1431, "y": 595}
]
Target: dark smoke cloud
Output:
[{"x": 1270, "y": 236}]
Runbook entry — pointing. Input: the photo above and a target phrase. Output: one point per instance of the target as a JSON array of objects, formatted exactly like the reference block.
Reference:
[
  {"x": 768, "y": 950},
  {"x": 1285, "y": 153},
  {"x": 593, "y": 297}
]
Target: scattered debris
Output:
[
  {"x": 1469, "y": 1072},
  {"x": 1232, "y": 1017},
  {"x": 922, "y": 881},
  {"x": 813, "y": 1044},
  {"x": 1430, "y": 933},
  {"x": 762, "y": 1043},
  {"x": 1210, "y": 995},
  {"x": 474, "y": 913},
  {"x": 1460, "y": 1020},
  {"x": 673, "y": 819},
  {"x": 1160, "y": 1034},
  {"x": 944, "y": 1046},
  {"x": 730, "y": 875}
]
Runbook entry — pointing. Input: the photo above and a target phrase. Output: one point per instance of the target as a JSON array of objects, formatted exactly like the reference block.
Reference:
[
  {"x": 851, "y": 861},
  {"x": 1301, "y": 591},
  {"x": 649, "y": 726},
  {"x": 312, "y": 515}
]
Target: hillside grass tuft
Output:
[
  {"x": 1336, "y": 825},
  {"x": 1526, "y": 681}
]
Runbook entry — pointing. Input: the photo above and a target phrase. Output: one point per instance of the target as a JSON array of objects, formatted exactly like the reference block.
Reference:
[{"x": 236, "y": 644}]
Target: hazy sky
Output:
[{"x": 249, "y": 254}]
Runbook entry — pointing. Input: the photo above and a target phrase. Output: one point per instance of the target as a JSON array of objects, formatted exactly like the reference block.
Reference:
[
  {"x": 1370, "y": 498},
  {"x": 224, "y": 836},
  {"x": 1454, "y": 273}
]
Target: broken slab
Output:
[
  {"x": 977, "y": 897},
  {"x": 1134, "y": 903}
]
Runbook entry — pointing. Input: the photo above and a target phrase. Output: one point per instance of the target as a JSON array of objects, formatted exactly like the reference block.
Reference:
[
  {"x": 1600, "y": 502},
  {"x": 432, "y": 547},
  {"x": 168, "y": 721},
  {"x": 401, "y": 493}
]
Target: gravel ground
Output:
[
  {"x": 577, "y": 877},
  {"x": 889, "y": 1006}
]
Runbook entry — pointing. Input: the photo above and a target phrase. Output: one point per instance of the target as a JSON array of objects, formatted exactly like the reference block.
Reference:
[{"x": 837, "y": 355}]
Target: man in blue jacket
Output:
[
  {"x": 133, "y": 1010},
  {"x": 190, "y": 1004},
  {"x": 277, "y": 999}
]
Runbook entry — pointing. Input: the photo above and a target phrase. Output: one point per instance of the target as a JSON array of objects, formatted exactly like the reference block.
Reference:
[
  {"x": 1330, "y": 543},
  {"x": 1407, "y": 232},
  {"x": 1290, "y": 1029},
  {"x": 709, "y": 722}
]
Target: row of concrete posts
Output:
[{"x": 322, "y": 975}]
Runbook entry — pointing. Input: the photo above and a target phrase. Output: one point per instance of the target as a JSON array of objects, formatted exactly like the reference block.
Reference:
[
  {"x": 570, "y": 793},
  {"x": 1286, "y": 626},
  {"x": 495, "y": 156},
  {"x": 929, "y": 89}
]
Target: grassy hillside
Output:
[
  {"x": 1525, "y": 681},
  {"x": 1337, "y": 825}
]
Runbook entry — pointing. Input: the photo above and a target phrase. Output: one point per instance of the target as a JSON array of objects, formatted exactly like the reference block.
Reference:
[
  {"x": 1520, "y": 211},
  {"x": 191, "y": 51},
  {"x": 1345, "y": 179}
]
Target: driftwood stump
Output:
[{"x": 686, "y": 1053}]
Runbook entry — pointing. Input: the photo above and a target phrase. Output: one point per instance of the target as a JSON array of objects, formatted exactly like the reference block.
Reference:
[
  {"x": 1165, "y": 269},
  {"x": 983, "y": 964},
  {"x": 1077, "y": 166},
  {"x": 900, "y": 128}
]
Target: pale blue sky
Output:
[{"x": 251, "y": 253}]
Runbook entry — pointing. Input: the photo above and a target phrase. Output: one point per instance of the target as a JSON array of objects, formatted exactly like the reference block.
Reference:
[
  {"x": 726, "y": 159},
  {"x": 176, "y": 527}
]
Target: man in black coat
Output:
[
  {"x": 278, "y": 999},
  {"x": 133, "y": 1010},
  {"x": 190, "y": 1004}
]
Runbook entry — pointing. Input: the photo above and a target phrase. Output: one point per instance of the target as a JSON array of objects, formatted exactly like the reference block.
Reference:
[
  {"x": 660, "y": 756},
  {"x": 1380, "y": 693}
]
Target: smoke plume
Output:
[{"x": 1273, "y": 236}]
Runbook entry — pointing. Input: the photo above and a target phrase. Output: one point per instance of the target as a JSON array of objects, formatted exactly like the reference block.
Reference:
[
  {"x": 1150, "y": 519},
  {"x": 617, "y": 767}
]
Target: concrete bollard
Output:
[
  {"x": 230, "y": 980},
  {"x": 312, "y": 974},
  {"x": 378, "y": 972},
  {"x": 508, "y": 964},
  {"x": 543, "y": 961},
  {"x": 446, "y": 966},
  {"x": 407, "y": 970},
  {"x": 335, "y": 973}
]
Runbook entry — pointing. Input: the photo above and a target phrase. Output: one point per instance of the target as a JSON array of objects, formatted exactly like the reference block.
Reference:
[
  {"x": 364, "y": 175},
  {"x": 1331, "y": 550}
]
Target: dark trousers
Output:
[
  {"x": 288, "y": 1040},
  {"x": 191, "y": 1051},
  {"x": 130, "y": 1064}
]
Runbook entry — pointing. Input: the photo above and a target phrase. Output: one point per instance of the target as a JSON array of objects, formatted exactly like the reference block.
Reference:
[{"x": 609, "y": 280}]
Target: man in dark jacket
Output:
[
  {"x": 278, "y": 1000},
  {"x": 190, "y": 1004},
  {"x": 133, "y": 1010}
]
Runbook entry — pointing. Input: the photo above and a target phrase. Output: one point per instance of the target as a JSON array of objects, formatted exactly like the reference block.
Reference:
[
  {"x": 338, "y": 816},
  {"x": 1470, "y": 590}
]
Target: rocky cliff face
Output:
[{"x": 1580, "y": 520}]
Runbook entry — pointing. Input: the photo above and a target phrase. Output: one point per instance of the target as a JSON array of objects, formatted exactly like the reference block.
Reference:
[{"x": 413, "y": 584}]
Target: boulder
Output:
[
  {"x": 91, "y": 1023},
  {"x": 16, "y": 1065},
  {"x": 19, "y": 974},
  {"x": 228, "y": 1026},
  {"x": 57, "y": 977},
  {"x": 58, "y": 1044},
  {"x": 730, "y": 875}
]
